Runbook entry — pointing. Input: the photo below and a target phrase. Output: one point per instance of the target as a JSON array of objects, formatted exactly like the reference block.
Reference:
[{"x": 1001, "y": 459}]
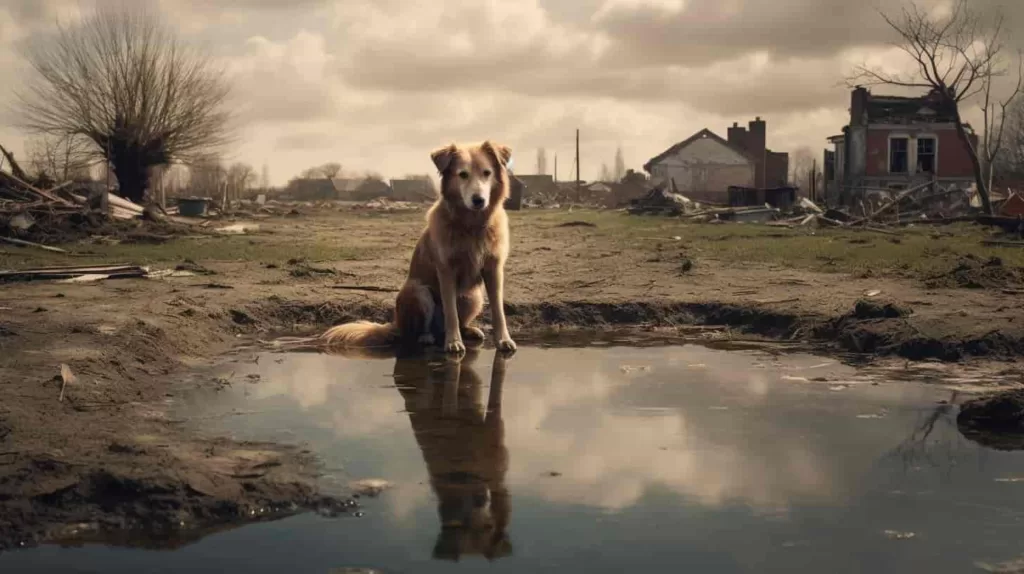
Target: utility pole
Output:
[
  {"x": 814, "y": 180},
  {"x": 577, "y": 165},
  {"x": 556, "y": 168}
]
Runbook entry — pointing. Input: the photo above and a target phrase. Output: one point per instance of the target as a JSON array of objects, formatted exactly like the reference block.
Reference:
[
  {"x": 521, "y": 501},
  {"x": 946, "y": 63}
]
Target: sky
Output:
[{"x": 377, "y": 84}]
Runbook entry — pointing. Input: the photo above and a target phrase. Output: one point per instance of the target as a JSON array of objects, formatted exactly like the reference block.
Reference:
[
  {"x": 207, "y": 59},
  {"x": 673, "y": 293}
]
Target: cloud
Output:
[{"x": 380, "y": 82}]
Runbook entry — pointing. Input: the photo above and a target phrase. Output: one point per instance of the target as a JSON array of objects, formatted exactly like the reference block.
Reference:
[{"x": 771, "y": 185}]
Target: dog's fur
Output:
[{"x": 462, "y": 251}]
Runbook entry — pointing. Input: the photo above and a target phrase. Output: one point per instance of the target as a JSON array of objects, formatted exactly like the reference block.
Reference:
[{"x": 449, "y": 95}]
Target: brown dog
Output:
[{"x": 463, "y": 248}]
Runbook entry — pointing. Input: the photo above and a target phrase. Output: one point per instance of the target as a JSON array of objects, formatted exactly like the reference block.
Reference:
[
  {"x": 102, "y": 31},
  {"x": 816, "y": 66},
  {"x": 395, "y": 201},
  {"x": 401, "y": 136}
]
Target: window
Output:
[
  {"x": 898, "y": 155},
  {"x": 926, "y": 155}
]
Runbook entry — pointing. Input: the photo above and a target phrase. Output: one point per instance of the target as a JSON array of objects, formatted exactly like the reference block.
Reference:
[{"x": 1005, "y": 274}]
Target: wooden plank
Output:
[{"x": 24, "y": 243}]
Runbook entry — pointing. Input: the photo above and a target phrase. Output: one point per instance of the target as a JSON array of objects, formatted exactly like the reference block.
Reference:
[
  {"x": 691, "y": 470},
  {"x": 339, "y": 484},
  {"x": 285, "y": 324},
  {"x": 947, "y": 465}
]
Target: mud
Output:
[
  {"x": 973, "y": 272},
  {"x": 995, "y": 421},
  {"x": 108, "y": 457}
]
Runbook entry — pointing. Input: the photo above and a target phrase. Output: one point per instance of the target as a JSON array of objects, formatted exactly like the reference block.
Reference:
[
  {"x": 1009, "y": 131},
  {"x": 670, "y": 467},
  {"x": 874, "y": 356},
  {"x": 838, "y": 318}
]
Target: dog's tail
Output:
[{"x": 360, "y": 334}]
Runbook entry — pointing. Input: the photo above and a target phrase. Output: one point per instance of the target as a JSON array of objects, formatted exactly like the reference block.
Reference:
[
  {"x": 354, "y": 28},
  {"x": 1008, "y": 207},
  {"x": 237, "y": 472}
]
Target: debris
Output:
[
  {"x": 371, "y": 487},
  {"x": 238, "y": 228},
  {"x": 365, "y": 288},
  {"x": 576, "y": 224},
  {"x": 66, "y": 377},
  {"x": 686, "y": 266},
  {"x": 24, "y": 243},
  {"x": 51, "y": 273},
  {"x": 997, "y": 243},
  {"x": 897, "y": 535}
]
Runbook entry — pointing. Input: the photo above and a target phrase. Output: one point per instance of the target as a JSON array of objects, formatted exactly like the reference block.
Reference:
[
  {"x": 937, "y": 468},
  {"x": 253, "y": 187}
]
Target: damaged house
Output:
[
  {"x": 894, "y": 143},
  {"x": 705, "y": 166}
]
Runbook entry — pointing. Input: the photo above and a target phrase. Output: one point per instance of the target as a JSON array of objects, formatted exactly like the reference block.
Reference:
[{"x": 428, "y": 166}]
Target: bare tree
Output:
[
  {"x": 620, "y": 165},
  {"x": 997, "y": 114},
  {"x": 240, "y": 177},
  {"x": 331, "y": 170},
  {"x": 542, "y": 161},
  {"x": 801, "y": 161},
  {"x": 1010, "y": 165},
  {"x": 123, "y": 80},
  {"x": 207, "y": 176},
  {"x": 957, "y": 55},
  {"x": 59, "y": 159},
  {"x": 327, "y": 170}
]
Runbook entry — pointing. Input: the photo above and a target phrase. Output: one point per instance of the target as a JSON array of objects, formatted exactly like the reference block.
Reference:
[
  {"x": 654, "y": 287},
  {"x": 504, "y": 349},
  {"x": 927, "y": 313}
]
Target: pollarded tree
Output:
[{"x": 124, "y": 81}]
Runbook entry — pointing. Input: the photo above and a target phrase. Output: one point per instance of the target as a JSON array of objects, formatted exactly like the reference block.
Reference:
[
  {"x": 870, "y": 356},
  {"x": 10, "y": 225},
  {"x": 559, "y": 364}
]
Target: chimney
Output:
[
  {"x": 757, "y": 143},
  {"x": 859, "y": 106},
  {"x": 737, "y": 136}
]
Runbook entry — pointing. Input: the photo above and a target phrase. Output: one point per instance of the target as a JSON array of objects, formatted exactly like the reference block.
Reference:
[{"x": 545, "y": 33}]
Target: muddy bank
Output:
[
  {"x": 875, "y": 329},
  {"x": 97, "y": 456}
]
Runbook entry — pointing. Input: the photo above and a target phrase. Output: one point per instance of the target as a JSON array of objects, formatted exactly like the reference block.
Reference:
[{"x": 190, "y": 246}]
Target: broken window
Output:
[
  {"x": 898, "y": 155},
  {"x": 926, "y": 155}
]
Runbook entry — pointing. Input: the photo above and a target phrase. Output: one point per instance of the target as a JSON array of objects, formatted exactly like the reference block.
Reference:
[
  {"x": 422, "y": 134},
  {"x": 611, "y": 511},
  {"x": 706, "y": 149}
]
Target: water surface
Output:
[{"x": 605, "y": 460}]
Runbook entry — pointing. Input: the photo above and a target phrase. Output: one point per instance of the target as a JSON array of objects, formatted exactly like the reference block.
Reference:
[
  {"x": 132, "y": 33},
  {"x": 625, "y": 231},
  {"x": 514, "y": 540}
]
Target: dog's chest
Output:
[{"x": 467, "y": 262}]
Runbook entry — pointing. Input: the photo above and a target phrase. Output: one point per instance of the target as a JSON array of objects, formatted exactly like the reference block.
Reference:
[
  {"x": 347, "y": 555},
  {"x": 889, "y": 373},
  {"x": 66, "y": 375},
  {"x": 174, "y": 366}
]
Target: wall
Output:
[
  {"x": 705, "y": 169},
  {"x": 952, "y": 159},
  {"x": 777, "y": 170}
]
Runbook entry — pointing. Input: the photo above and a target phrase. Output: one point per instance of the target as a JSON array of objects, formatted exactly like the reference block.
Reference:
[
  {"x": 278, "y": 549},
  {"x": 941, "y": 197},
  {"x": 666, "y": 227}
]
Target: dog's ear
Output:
[
  {"x": 442, "y": 157},
  {"x": 502, "y": 153}
]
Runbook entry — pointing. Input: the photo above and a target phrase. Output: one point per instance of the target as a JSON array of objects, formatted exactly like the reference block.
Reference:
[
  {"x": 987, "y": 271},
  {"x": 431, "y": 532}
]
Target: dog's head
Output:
[{"x": 474, "y": 177}]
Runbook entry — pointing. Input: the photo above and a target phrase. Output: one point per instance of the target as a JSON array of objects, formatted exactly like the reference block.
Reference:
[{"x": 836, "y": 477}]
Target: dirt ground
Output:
[{"x": 108, "y": 457}]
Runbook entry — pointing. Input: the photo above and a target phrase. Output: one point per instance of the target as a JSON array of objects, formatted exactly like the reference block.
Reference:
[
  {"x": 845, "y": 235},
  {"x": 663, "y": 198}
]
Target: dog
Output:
[{"x": 461, "y": 252}]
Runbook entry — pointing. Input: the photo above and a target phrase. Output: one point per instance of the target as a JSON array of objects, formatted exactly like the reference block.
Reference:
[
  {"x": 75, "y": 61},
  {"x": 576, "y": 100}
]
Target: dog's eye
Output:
[
  {"x": 487, "y": 173},
  {"x": 464, "y": 174}
]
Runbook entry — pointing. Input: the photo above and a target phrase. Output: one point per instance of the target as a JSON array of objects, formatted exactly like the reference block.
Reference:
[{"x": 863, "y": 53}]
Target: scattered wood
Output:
[
  {"x": 998, "y": 243},
  {"x": 23, "y": 243},
  {"x": 365, "y": 288},
  {"x": 53, "y": 273}
]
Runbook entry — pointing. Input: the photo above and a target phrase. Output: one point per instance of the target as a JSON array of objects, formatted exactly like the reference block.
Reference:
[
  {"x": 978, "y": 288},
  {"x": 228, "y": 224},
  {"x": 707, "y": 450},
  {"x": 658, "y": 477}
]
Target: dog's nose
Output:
[{"x": 478, "y": 201}]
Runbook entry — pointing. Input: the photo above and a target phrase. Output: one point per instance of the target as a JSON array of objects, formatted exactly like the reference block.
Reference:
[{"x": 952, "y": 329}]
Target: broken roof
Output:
[
  {"x": 898, "y": 109},
  {"x": 702, "y": 134}
]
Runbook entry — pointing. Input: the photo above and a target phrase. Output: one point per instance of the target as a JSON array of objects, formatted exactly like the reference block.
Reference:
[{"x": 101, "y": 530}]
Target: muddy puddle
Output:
[{"x": 608, "y": 459}]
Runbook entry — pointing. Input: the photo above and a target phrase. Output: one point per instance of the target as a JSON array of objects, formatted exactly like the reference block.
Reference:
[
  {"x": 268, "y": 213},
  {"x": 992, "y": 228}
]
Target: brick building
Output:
[
  {"x": 771, "y": 169},
  {"x": 893, "y": 143},
  {"x": 704, "y": 166}
]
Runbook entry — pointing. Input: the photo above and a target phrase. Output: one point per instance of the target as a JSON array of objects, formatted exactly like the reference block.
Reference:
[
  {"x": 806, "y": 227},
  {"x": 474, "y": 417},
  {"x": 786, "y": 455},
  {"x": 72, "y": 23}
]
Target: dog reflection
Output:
[{"x": 463, "y": 444}]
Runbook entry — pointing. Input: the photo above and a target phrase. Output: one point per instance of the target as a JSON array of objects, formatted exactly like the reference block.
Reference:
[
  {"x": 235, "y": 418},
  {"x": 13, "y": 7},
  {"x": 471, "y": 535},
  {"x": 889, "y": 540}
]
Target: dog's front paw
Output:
[
  {"x": 506, "y": 345},
  {"x": 473, "y": 333},
  {"x": 454, "y": 347}
]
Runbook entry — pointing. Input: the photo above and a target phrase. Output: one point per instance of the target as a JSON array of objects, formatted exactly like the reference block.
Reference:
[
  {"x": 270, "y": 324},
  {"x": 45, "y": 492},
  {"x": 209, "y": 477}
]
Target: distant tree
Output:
[
  {"x": 542, "y": 161},
  {"x": 620, "y": 165},
  {"x": 122, "y": 80},
  {"x": 330, "y": 170},
  {"x": 801, "y": 161},
  {"x": 207, "y": 175},
  {"x": 265, "y": 177},
  {"x": 59, "y": 159},
  {"x": 240, "y": 177},
  {"x": 957, "y": 54}
]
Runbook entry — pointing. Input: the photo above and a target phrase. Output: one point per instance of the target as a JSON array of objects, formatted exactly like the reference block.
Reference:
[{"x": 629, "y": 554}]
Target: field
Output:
[{"x": 912, "y": 293}]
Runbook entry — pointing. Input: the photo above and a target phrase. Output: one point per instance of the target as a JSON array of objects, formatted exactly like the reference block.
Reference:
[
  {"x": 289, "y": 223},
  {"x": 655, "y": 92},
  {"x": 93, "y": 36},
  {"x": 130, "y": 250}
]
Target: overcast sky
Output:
[{"x": 377, "y": 84}]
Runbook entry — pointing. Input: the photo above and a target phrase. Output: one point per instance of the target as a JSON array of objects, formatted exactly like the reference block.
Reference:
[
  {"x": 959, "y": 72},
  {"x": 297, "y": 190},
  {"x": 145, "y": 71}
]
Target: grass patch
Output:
[
  {"x": 266, "y": 249},
  {"x": 916, "y": 252}
]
